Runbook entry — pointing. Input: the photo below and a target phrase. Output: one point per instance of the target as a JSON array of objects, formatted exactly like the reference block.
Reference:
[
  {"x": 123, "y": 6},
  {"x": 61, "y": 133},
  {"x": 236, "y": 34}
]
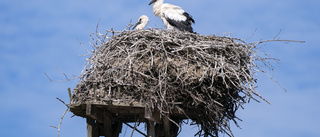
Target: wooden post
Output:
[
  {"x": 152, "y": 115},
  {"x": 107, "y": 121},
  {"x": 117, "y": 127},
  {"x": 150, "y": 128},
  {"x": 166, "y": 124},
  {"x": 94, "y": 92},
  {"x": 88, "y": 109},
  {"x": 70, "y": 95},
  {"x": 92, "y": 129}
]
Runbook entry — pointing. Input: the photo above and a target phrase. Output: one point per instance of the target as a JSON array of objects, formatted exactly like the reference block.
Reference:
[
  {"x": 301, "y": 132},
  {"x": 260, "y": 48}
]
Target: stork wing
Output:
[
  {"x": 177, "y": 17},
  {"x": 173, "y": 12}
]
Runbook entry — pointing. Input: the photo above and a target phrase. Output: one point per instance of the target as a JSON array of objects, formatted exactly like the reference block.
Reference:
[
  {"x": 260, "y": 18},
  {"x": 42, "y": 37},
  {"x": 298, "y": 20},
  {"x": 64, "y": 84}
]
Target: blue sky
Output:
[{"x": 38, "y": 36}]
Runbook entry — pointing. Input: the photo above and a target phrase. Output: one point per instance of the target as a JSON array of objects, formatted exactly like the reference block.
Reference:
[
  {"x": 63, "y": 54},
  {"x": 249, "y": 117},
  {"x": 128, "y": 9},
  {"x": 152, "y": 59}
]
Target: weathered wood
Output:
[
  {"x": 159, "y": 130},
  {"x": 107, "y": 121},
  {"x": 101, "y": 129},
  {"x": 70, "y": 95},
  {"x": 94, "y": 112},
  {"x": 88, "y": 109},
  {"x": 152, "y": 115},
  {"x": 94, "y": 91},
  {"x": 92, "y": 129},
  {"x": 116, "y": 129},
  {"x": 80, "y": 109},
  {"x": 150, "y": 128},
  {"x": 118, "y": 93},
  {"x": 166, "y": 124},
  {"x": 102, "y": 123}
]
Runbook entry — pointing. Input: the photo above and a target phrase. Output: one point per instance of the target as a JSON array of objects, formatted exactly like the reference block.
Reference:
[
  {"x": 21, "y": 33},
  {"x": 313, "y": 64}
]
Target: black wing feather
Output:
[
  {"x": 189, "y": 18},
  {"x": 182, "y": 25}
]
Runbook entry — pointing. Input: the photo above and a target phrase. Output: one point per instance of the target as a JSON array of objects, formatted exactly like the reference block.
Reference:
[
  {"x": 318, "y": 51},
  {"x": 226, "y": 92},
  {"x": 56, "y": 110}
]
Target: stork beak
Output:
[
  {"x": 136, "y": 24},
  {"x": 152, "y": 2}
]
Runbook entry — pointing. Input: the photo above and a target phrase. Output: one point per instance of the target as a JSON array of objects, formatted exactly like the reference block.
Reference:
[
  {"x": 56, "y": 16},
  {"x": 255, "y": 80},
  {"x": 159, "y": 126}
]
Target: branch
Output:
[
  {"x": 62, "y": 101},
  {"x": 64, "y": 74},
  {"x": 135, "y": 129},
  {"x": 61, "y": 117},
  {"x": 279, "y": 40}
]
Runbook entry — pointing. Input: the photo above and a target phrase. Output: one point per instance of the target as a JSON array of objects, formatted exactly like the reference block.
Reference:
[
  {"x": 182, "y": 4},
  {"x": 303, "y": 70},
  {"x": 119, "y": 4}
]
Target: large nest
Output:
[{"x": 205, "y": 77}]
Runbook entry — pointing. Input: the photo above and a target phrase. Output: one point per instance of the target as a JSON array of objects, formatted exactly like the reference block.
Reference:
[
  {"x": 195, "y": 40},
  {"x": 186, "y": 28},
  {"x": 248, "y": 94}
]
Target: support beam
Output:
[
  {"x": 92, "y": 129},
  {"x": 150, "y": 128},
  {"x": 166, "y": 124},
  {"x": 107, "y": 121},
  {"x": 152, "y": 115},
  {"x": 94, "y": 112},
  {"x": 88, "y": 109},
  {"x": 116, "y": 129}
]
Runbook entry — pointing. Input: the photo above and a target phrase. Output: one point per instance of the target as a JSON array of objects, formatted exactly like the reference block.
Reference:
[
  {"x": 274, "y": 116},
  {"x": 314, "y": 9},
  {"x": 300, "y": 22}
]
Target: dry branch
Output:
[{"x": 59, "y": 126}]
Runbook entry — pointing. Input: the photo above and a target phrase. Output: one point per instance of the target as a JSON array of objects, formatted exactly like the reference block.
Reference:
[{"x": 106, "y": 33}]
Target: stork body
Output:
[
  {"x": 173, "y": 17},
  {"x": 143, "y": 21}
]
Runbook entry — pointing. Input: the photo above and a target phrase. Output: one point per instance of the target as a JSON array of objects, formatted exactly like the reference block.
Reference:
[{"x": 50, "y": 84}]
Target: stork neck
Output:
[
  {"x": 157, "y": 7},
  {"x": 158, "y": 2}
]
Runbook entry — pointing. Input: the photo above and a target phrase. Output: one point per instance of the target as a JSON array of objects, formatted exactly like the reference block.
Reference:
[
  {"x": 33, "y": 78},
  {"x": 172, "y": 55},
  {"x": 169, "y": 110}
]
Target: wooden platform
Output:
[
  {"x": 127, "y": 112},
  {"x": 106, "y": 118}
]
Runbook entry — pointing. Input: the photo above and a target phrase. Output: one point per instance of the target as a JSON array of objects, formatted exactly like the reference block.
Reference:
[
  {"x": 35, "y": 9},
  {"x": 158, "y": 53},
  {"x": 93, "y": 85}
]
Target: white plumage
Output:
[
  {"x": 173, "y": 17},
  {"x": 143, "y": 21}
]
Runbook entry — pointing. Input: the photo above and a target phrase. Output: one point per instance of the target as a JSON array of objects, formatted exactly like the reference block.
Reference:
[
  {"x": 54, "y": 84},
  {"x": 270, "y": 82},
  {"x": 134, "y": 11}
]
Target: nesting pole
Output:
[{"x": 161, "y": 78}]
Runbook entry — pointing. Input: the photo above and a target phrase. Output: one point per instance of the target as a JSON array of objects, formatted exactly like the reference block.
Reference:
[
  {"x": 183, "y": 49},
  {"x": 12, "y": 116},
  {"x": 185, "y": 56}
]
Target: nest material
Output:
[{"x": 206, "y": 77}]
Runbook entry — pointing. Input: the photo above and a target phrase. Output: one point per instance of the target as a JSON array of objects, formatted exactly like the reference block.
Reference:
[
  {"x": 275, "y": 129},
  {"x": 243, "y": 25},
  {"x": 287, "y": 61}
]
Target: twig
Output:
[
  {"x": 255, "y": 30},
  {"x": 277, "y": 35},
  {"x": 62, "y": 101},
  {"x": 48, "y": 77},
  {"x": 59, "y": 126},
  {"x": 64, "y": 74},
  {"x": 85, "y": 48},
  {"x": 135, "y": 129},
  {"x": 277, "y": 40}
]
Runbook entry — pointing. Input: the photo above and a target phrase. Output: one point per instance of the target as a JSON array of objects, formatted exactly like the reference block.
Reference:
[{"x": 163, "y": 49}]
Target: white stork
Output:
[
  {"x": 143, "y": 21},
  {"x": 173, "y": 17}
]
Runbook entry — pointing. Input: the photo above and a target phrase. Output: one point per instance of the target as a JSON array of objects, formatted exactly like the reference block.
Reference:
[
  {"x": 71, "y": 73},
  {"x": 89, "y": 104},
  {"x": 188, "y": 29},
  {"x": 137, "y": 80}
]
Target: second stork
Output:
[
  {"x": 173, "y": 17},
  {"x": 143, "y": 21}
]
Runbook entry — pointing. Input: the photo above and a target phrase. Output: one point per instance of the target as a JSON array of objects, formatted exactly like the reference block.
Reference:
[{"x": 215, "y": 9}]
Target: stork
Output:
[
  {"x": 173, "y": 17},
  {"x": 143, "y": 21}
]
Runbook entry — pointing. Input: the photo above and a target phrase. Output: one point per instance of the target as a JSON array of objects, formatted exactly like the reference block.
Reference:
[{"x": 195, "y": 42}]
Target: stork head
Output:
[
  {"x": 152, "y": 1},
  {"x": 143, "y": 21}
]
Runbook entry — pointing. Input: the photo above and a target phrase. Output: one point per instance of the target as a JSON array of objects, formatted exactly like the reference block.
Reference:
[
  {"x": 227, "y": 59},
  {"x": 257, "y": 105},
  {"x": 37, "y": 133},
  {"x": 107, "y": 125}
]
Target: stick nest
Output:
[{"x": 205, "y": 77}]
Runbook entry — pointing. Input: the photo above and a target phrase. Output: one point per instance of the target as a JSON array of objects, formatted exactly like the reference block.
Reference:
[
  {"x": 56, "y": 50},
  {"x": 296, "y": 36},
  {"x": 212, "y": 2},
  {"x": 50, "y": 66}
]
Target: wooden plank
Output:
[
  {"x": 91, "y": 128},
  {"x": 107, "y": 121},
  {"x": 113, "y": 103},
  {"x": 159, "y": 130},
  {"x": 94, "y": 112},
  {"x": 88, "y": 109},
  {"x": 166, "y": 124},
  {"x": 116, "y": 129},
  {"x": 70, "y": 95},
  {"x": 101, "y": 129},
  {"x": 94, "y": 92},
  {"x": 153, "y": 116},
  {"x": 150, "y": 129}
]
